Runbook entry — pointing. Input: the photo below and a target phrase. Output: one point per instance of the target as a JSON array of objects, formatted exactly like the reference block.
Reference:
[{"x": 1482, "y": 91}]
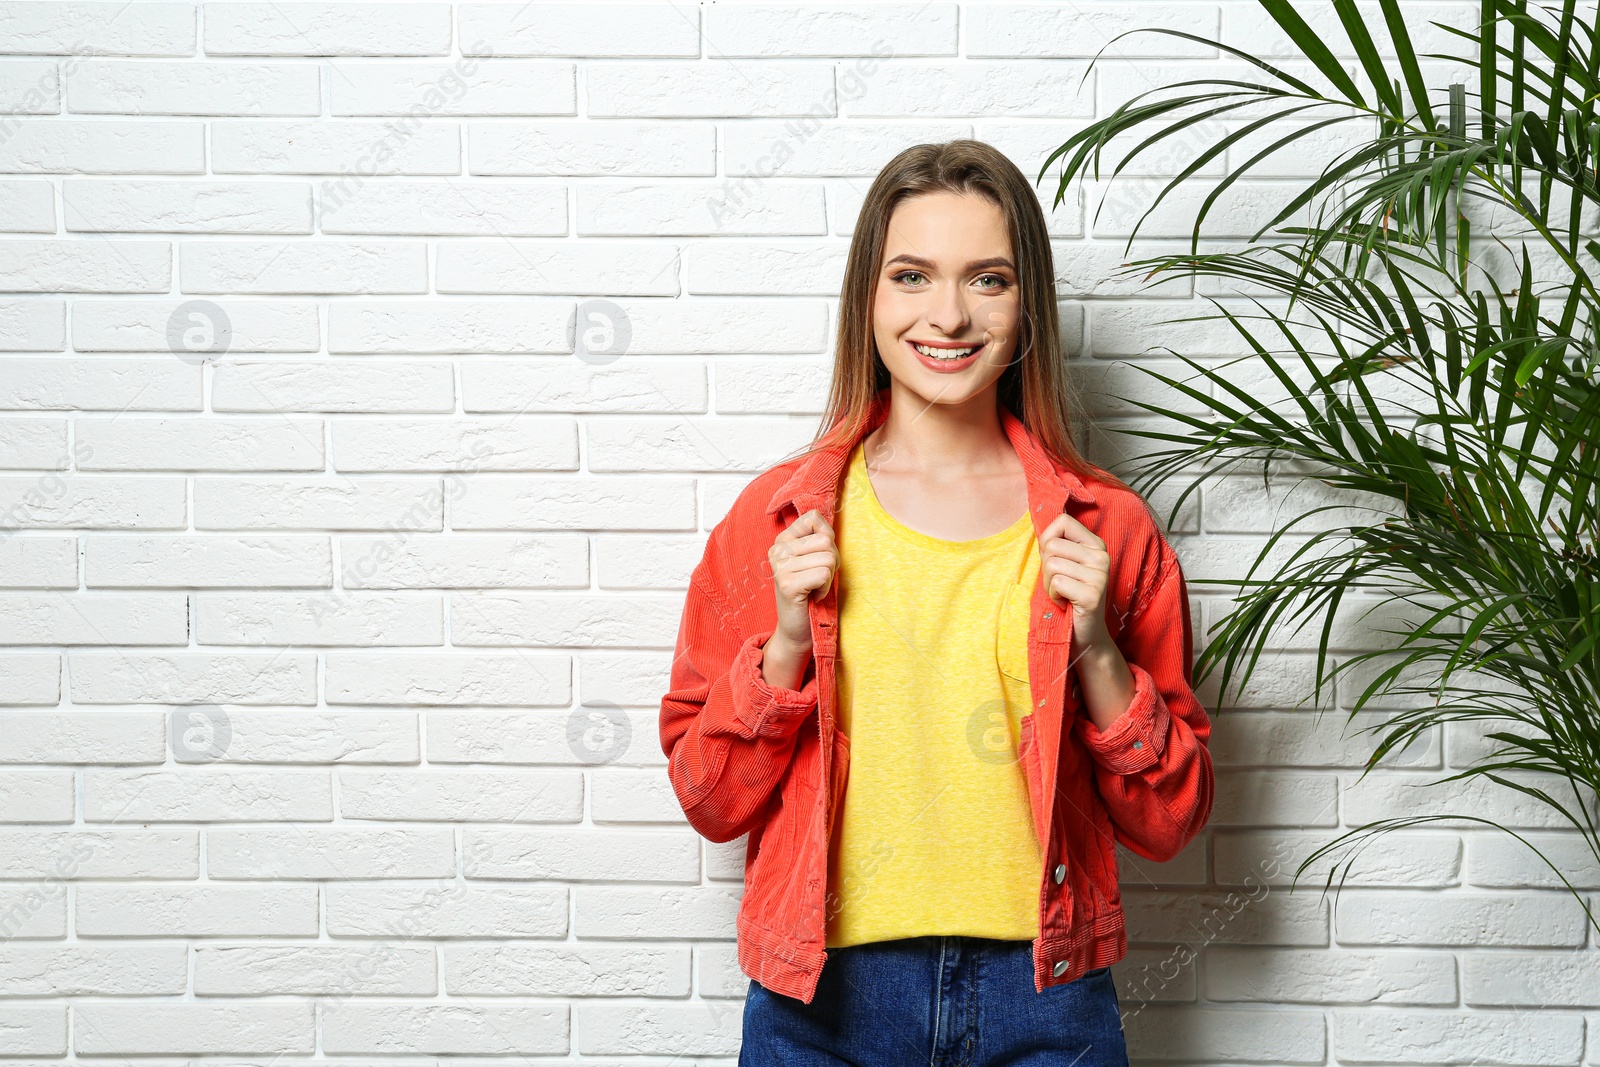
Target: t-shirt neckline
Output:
[{"x": 858, "y": 474}]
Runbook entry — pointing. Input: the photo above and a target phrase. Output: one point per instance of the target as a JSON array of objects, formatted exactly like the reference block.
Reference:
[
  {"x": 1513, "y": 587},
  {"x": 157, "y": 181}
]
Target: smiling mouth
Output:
[{"x": 951, "y": 355}]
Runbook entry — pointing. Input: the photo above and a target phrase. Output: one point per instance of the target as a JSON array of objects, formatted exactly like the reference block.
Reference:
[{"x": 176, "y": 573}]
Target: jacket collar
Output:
[{"x": 815, "y": 482}]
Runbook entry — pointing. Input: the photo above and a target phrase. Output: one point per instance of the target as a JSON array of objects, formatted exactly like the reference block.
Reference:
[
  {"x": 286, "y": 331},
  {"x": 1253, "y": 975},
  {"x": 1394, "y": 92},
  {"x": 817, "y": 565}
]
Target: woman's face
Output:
[{"x": 948, "y": 281}]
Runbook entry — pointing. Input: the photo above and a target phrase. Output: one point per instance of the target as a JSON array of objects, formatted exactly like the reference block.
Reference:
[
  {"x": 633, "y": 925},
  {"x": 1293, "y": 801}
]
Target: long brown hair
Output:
[{"x": 1035, "y": 387}]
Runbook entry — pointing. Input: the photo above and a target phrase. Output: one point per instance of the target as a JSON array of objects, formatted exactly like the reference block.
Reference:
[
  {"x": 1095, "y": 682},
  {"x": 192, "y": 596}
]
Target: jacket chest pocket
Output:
[{"x": 1011, "y": 636}]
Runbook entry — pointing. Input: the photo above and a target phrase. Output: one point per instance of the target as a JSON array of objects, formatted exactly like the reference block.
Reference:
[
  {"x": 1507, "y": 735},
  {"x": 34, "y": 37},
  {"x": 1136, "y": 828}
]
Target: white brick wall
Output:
[{"x": 314, "y": 533}]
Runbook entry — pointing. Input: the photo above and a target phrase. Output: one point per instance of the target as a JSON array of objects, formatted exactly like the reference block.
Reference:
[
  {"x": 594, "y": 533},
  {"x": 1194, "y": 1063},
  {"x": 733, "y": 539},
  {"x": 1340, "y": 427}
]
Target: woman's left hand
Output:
[{"x": 1076, "y": 569}]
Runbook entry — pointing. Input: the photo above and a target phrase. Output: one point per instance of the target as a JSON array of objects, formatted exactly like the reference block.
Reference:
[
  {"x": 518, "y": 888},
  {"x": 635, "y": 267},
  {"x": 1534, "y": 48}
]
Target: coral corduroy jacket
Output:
[{"x": 745, "y": 757}]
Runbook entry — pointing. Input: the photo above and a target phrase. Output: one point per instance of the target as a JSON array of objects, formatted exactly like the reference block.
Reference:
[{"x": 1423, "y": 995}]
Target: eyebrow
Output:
[{"x": 927, "y": 264}]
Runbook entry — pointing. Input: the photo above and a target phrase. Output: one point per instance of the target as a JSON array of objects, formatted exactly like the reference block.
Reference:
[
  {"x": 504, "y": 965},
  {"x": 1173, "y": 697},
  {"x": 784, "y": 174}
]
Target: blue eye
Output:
[{"x": 1000, "y": 283}]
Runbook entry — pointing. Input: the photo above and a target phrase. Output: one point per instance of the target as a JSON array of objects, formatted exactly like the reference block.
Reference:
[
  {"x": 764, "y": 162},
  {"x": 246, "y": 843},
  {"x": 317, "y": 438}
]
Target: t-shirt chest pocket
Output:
[{"x": 1011, "y": 636}]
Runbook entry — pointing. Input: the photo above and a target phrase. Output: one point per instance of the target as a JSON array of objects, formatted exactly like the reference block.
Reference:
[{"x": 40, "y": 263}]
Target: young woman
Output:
[{"x": 936, "y": 667}]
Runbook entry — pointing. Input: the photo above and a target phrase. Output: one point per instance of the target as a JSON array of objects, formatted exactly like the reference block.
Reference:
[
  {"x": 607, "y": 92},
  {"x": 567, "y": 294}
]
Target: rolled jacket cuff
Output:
[
  {"x": 1138, "y": 736},
  {"x": 763, "y": 709}
]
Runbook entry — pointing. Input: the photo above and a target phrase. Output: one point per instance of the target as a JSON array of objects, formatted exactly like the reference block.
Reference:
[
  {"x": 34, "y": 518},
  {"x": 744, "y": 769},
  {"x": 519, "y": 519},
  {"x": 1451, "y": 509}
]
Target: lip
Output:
[{"x": 946, "y": 366}]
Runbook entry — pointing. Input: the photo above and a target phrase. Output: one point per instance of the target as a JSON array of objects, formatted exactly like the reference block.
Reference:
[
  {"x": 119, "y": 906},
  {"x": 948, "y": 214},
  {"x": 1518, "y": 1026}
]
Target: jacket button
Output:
[
  {"x": 1059, "y": 968},
  {"x": 1138, "y": 744},
  {"x": 1060, "y": 872}
]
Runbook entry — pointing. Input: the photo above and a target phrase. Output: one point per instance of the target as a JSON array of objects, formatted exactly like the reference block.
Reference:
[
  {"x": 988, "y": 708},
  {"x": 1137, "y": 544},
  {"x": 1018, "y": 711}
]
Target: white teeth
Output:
[{"x": 945, "y": 353}]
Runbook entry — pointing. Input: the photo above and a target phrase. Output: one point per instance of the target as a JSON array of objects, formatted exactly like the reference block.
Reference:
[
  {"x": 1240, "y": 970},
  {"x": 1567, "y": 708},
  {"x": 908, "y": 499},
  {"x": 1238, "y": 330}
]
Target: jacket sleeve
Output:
[
  {"x": 1152, "y": 766},
  {"x": 728, "y": 735}
]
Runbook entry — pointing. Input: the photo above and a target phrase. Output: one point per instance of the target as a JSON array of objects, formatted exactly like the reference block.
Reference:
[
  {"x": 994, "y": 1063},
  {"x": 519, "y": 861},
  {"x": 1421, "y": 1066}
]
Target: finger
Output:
[
  {"x": 811, "y": 522},
  {"x": 1070, "y": 589},
  {"x": 815, "y": 580},
  {"x": 1061, "y": 548},
  {"x": 807, "y": 560},
  {"x": 1080, "y": 572},
  {"x": 800, "y": 527},
  {"x": 1066, "y": 526},
  {"x": 800, "y": 546}
]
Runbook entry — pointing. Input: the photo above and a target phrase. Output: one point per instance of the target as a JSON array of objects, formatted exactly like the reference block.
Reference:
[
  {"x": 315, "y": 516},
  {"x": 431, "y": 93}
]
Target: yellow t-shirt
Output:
[{"x": 936, "y": 833}]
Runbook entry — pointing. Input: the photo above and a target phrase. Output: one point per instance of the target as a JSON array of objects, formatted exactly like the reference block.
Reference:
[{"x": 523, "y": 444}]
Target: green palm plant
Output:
[{"x": 1488, "y": 479}]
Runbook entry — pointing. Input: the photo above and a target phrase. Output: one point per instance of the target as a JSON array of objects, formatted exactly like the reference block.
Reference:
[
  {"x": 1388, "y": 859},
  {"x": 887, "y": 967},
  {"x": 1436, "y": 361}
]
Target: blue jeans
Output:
[{"x": 943, "y": 1001}]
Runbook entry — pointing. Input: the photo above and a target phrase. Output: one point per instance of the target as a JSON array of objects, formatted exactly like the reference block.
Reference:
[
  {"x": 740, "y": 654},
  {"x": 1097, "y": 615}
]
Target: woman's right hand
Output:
[{"x": 804, "y": 559}]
